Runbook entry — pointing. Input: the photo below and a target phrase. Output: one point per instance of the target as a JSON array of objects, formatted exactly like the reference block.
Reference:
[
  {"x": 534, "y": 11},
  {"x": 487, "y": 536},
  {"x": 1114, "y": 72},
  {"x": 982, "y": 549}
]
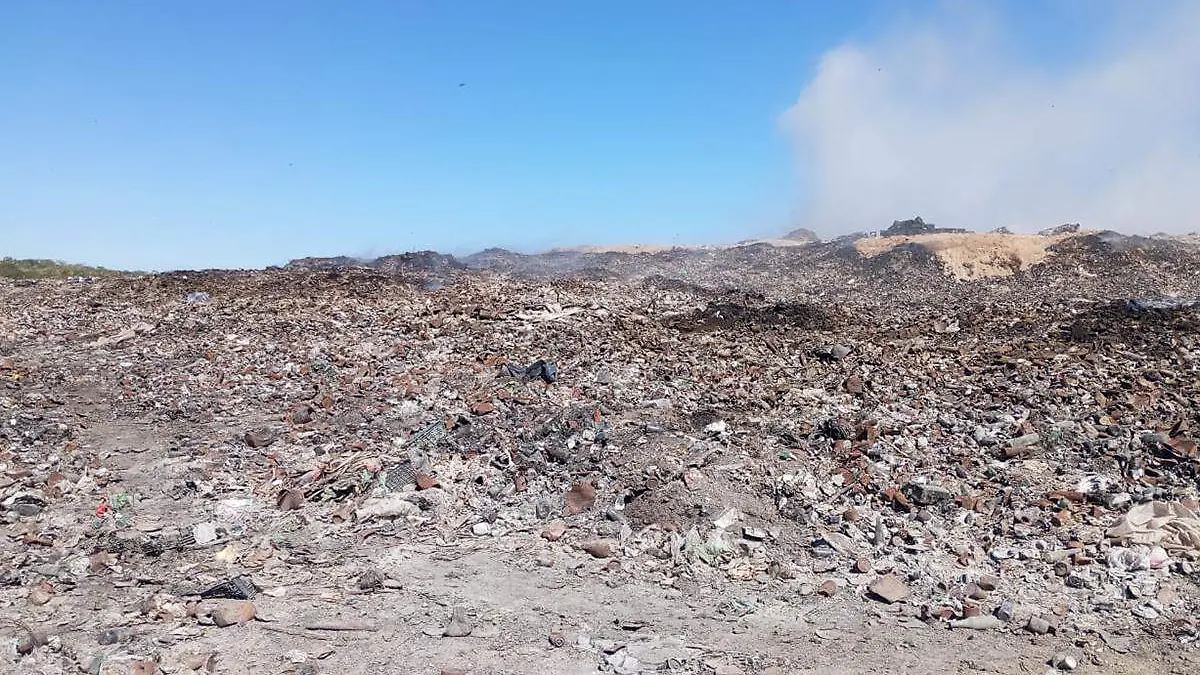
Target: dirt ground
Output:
[{"x": 521, "y": 591}]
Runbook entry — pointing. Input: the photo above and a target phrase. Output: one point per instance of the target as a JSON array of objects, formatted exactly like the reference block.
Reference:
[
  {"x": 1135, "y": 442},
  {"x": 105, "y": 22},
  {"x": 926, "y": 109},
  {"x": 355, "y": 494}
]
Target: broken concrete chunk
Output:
[{"x": 889, "y": 589}]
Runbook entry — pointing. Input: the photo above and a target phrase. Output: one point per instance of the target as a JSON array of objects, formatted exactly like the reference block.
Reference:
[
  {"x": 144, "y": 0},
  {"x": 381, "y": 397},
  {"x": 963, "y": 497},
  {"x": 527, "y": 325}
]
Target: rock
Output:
[
  {"x": 851, "y": 515},
  {"x": 716, "y": 428},
  {"x": 143, "y": 667},
  {"x": 389, "y": 506},
  {"x": 853, "y": 384},
  {"x": 481, "y": 529},
  {"x": 862, "y": 565},
  {"x": 754, "y": 533},
  {"x": 1145, "y": 612},
  {"x": 598, "y": 548},
  {"x": 1038, "y": 625},
  {"x": 483, "y": 408},
  {"x": 839, "y": 352},
  {"x": 889, "y": 589},
  {"x": 29, "y": 639},
  {"x": 259, "y": 438},
  {"x": 112, "y": 636},
  {"x": 370, "y": 580},
  {"x": 290, "y": 500},
  {"x": 460, "y": 624},
  {"x": 981, "y": 622},
  {"x": 302, "y": 414},
  {"x": 1167, "y": 596},
  {"x": 828, "y": 588},
  {"x": 1064, "y": 661},
  {"x": 554, "y": 531},
  {"x": 204, "y": 533},
  {"x": 1004, "y": 611},
  {"x": 580, "y": 498},
  {"x": 233, "y": 613},
  {"x": 928, "y": 495},
  {"x": 988, "y": 582},
  {"x": 40, "y": 594}
]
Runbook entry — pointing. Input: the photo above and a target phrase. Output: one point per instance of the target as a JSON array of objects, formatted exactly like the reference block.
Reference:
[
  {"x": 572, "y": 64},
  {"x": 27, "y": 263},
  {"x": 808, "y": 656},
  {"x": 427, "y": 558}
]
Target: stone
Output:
[
  {"x": 853, "y": 384},
  {"x": 481, "y": 529},
  {"x": 370, "y": 580},
  {"x": 828, "y": 588},
  {"x": 40, "y": 594},
  {"x": 30, "y": 639},
  {"x": 928, "y": 495},
  {"x": 1038, "y": 625},
  {"x": 1064, "y": 661},
  {"x": 717, "y": 428},
  {"x": 889, "y": 589},
  {"x": 1004, "y": 611},
  {"x": 580, "y": 498},
  {"x": 862, "y": 565},
  {"x": 143, "y": 667},
  {"x": 554, "y": 531},
  {"x": 483, "y": 408},
  {"x": 233, "y": 613},
  {"x": 598, "y": 548},
  {"x": 1167, "y": 596},
  {"x": 259, "y": 438},
  {"x": 302, "y": 414},
  {"x": 112, "y": 636},
  {"x": 754, "y": 533},
  {"x": 988, "y": 582},
  {"x": 1145, "y": 612},
  {"x": 979, "y": 622}
]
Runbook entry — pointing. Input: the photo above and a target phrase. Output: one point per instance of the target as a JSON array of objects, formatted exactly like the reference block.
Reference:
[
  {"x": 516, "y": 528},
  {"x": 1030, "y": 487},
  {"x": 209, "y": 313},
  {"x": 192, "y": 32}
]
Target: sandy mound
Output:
[{"x": 973, "y": 255}]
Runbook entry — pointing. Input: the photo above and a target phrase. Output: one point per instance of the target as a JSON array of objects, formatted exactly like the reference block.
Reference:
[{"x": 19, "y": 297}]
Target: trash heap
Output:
[{"x": 1022, "y": 462}]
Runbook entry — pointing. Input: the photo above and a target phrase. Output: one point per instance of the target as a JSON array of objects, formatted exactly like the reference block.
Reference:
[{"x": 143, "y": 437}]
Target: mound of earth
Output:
[{"x": 971, "y": 256}]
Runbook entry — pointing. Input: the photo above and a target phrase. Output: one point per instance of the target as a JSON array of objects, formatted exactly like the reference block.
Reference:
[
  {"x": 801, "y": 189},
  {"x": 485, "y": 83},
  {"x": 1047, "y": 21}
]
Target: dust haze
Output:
[{"x": 949, "y": 120}]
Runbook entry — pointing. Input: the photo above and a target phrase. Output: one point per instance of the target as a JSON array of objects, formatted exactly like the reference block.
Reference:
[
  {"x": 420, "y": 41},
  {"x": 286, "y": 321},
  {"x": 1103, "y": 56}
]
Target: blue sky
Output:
[{"x": 181, "y": 135}]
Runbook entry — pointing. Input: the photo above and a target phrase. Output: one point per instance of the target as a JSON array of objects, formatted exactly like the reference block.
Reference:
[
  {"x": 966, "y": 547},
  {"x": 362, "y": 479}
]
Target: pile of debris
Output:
[{"x": 177, "y": 450}]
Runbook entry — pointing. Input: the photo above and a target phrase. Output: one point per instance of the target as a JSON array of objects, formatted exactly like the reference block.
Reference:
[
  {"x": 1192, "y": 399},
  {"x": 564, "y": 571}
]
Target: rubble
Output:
[{"x": 1014, "y": 453}]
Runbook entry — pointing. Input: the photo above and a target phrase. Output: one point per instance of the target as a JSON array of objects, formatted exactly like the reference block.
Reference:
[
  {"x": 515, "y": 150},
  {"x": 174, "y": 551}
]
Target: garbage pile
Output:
[{"x": 1021, "y": 463}]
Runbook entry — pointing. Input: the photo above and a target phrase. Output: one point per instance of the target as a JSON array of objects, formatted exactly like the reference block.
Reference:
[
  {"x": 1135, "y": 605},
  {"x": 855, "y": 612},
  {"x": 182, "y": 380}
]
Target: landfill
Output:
[{"x": 747, "y": 460}]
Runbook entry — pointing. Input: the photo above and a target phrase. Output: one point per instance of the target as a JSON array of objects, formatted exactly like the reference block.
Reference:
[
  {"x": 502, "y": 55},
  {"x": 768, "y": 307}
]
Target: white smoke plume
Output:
[{"x": 945, "y": 120}]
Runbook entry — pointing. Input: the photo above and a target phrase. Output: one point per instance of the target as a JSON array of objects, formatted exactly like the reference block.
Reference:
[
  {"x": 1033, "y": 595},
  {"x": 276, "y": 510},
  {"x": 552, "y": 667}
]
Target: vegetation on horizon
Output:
[{"x": 30, "y": 268}]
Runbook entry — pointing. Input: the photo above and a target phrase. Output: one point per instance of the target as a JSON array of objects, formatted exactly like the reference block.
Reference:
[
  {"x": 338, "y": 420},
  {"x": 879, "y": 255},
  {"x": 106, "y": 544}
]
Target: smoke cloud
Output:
[{"x": 949, "y": 121}]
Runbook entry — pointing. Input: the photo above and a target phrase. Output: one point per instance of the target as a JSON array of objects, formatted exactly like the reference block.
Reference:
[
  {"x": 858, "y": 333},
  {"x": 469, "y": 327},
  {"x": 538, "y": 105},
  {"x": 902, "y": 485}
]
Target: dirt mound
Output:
[{"x": 973, "y": 255}]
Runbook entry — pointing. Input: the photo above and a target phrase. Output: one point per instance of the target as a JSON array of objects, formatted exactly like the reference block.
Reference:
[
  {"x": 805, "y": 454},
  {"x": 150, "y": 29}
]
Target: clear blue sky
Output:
[{"x": 166, "y": 134}]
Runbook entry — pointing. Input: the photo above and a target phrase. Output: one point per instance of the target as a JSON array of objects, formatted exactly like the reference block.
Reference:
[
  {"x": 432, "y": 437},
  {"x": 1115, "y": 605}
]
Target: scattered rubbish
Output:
[
  {"x": 1064, "y": 661},
  {"x": 968, "y": 454},
  {"x": 236, "y": 588},
  {"x": 981, "y": 622}
]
